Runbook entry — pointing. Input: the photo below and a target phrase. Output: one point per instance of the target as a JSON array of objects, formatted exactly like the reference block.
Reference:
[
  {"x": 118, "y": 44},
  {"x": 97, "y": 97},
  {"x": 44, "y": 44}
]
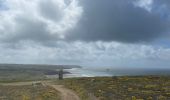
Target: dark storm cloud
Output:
[
  {"x": 117, "y": 20},
  {"x": 87, "y": 20}
]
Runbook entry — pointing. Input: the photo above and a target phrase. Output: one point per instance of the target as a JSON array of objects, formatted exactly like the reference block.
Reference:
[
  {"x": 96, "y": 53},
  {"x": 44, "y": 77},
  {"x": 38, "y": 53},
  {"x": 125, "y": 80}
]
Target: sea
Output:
[{"x": 88, "y": 72}]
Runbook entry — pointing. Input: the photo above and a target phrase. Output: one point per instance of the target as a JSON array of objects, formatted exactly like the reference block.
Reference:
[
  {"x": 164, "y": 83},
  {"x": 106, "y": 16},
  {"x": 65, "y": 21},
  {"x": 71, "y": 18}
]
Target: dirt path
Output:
[{"x": 66, "y": 94}]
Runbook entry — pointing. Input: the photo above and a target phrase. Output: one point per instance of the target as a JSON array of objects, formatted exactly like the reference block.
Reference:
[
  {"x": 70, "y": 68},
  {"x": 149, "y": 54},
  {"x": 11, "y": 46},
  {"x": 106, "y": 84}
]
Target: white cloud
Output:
[
  {"x": 87, "y": 54},
  {"x": 30, "y": 10},
  {"x": 146, "y": 4},
  {"x": 71, "y": 15}
]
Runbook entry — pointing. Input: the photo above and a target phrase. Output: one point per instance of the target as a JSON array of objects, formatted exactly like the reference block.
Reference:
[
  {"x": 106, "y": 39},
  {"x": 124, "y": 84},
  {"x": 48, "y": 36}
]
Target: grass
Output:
[
  {"x": 104, "y": 88},
  {"x": 121, "y": 88},
  {"x": 28, "y": 92}
]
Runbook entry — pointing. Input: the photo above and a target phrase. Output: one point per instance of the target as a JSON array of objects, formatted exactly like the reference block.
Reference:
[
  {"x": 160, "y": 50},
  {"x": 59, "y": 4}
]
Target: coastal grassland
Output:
[
  {"x": 17, "y": 73},
  {"x": 121, "y": 88},
  {"x": 28, "y": 92},
  {"x": 7, "y": 76}
]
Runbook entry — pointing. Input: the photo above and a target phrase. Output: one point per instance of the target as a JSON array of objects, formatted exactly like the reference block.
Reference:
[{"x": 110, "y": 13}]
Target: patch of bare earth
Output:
[{"x": 66, "y": 94}]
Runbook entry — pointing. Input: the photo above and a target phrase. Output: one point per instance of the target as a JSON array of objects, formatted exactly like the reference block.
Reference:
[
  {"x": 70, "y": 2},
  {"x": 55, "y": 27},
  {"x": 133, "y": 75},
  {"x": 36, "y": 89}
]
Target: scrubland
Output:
[
  {"x": 121, "y": 88},
  {"x": 28, "y": 92}
]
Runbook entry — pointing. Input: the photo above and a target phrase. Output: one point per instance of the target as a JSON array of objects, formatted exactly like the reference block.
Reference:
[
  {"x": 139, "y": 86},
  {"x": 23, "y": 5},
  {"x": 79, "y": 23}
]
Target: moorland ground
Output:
[
  {"x": 28, "y": 92},
  {"x": 91, "y": 88},
  {"x": 121, "y": 88}
]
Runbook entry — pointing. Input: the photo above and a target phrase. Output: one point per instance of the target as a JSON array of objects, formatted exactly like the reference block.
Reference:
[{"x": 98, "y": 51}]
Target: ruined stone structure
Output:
[{"x": 60, "y": 74}]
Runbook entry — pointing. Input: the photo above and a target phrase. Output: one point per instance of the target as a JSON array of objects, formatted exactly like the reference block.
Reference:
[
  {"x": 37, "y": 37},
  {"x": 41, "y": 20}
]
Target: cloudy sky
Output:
[{"x": 116, "y": 33}]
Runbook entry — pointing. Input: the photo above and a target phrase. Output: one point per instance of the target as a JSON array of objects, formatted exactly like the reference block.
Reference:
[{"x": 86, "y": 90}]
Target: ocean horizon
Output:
[{"x": 87, "y": 72}]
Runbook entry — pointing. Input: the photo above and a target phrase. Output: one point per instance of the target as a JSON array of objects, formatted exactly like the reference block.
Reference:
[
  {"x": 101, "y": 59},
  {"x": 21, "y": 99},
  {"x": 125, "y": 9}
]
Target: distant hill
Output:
[
  {"x": 18, "y": 72},
  {"x": 37, "y": 66}
]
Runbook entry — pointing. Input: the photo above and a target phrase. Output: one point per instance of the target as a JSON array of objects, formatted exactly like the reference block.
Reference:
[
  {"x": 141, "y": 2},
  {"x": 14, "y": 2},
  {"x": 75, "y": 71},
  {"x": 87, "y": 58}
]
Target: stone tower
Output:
[{"x": 60, "y": 74}]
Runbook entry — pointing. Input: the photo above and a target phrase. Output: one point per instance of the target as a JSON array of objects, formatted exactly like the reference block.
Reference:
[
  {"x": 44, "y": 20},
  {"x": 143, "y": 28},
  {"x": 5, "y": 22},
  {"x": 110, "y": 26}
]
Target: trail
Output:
[{"x": 66, "y": 94}]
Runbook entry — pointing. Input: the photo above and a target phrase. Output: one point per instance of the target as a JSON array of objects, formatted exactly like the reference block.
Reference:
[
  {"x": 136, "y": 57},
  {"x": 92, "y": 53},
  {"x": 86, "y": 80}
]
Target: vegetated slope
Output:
[
  {"x": 25, "y": 72},
  {"x": 28, "y": 92},
  {"x": 36, "y": 90},
  {"x": 121, "y": 88}
]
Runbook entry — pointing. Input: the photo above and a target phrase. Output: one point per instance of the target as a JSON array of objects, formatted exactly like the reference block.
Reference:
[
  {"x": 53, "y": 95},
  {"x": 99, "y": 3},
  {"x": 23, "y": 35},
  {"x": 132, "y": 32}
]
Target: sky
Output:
[{"x": 97, "y": 33}]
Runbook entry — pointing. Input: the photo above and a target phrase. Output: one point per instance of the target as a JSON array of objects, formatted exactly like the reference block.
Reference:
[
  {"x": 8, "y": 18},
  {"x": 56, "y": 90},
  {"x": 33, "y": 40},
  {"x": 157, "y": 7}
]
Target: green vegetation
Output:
[
  {"x": 20, "y": 72},
  {"x": 20, "y": 75},
  {"x": 121, "y": 88},
  {"x": 28, "y": 92},
  {"x": 103, "y": 88}
]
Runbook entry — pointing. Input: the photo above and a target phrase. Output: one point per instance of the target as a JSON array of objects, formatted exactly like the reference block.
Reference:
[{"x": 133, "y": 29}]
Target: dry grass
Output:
[
  {"x": 28, "y": 92},
  {"x": 122, "y": 88}
]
